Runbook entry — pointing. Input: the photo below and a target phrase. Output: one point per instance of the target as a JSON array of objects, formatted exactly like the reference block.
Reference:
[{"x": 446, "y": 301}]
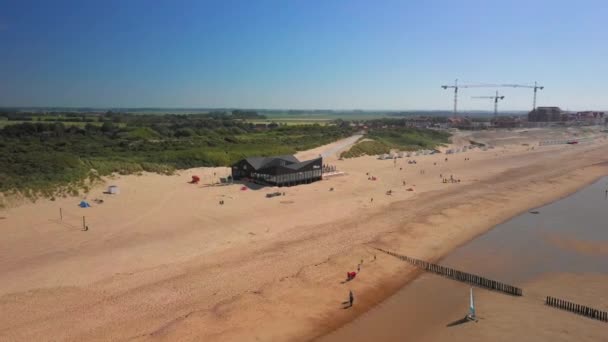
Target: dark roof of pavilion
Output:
[
  {"x": 301, "y": 164},
  {"x": 262, "y": 162}
]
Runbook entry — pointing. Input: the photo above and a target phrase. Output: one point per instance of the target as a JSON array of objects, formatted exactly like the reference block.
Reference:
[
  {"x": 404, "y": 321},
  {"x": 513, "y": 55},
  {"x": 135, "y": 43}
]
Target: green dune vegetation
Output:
[
  {"x": 43, "y": 155},
  {"x": 384, "y": 139},
  {"x": 49, "y": 157}
]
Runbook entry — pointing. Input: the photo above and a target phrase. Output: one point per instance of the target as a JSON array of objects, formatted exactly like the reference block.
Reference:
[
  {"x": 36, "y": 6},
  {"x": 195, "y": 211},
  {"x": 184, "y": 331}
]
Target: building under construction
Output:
[
  {"x": 507, "y": 122},
  {"x": 546, "y": 114},
  {"x": 281, "y": 170}
]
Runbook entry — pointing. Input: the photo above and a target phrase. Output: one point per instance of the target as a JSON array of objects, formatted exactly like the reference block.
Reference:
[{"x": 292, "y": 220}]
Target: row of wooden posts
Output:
[
  {"x": 577, "y": 308},
  {"x": 84, "y": 223},
  {"x": 494, "y": 285},
  {"x": 459, "y": 275},
  {"x": 563, "y": 142}
]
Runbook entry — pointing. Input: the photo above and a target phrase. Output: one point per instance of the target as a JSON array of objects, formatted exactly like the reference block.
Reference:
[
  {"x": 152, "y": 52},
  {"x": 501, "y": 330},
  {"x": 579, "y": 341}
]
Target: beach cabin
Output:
[{"x": 113, "y": 190}]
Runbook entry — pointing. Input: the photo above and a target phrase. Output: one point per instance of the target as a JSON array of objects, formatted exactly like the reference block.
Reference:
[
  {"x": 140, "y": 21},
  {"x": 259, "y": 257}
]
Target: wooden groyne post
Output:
[
  {"x": 577, "y": 308},
  {"x": 459, "y": 275}
]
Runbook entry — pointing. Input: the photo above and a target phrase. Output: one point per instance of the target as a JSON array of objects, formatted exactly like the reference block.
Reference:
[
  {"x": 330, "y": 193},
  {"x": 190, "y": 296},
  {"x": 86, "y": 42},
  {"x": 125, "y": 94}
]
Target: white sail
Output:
[{"x": 471, "y": 314}]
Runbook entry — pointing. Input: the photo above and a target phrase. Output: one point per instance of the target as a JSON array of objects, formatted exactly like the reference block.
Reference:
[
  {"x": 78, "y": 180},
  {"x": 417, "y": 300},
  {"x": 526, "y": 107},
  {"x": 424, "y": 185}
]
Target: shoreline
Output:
[
  {"x": 558, "y": 198},
  {"x": 397, "y": 285},
  {"x": 426, "y": 304}
]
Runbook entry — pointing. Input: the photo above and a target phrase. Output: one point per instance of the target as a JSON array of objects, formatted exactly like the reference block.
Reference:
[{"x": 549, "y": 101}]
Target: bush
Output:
[
  {"x": 366, "y": 148},
  {"x": 400, "y": 138}
]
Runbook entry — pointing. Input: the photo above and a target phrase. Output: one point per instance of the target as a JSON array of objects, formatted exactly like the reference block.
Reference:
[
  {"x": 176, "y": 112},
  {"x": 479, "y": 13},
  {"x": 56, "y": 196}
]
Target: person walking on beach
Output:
[{"x": 351, "y": 298}]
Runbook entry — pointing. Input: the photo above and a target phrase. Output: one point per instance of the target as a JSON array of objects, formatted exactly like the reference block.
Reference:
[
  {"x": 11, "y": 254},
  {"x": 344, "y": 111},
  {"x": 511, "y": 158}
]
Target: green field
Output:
[
  {"x": 328, "y": 116},
  {"x": 266, "y": 117},
  {"x": 292, "y": 121},
  {"x": 4, "y": 123}
]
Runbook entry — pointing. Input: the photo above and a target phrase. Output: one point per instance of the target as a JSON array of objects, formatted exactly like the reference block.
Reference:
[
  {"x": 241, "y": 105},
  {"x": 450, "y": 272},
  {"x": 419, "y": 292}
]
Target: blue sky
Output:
[{"x": 339, "y": 54}]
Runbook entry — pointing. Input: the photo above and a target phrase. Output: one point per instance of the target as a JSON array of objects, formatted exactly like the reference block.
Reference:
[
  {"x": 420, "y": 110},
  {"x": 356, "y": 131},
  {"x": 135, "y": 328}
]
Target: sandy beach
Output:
[{"x": 164, "y": 261}]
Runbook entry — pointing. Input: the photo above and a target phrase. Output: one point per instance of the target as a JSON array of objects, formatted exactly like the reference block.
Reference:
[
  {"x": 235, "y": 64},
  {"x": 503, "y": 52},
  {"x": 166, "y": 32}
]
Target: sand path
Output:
[{"x": 330, "y": 150}]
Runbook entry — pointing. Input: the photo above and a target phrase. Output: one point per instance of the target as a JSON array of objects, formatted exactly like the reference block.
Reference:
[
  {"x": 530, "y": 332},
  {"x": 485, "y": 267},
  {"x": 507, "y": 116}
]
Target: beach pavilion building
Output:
[{"x": 284, "y": 170}]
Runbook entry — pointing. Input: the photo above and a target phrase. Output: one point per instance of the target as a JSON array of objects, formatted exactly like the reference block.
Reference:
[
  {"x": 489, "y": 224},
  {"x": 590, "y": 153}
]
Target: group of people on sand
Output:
[
  {"x": 450, "y": 180},
  {"x": 423, "y": 172},
  {"x": 372, "y": 178},
  {"x": 349, "y": 277}
]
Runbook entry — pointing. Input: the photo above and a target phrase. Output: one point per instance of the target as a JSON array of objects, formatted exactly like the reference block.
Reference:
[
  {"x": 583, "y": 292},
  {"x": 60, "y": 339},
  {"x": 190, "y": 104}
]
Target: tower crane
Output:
[
  {"x": 495, "y": 98},
  {"x": 456, "y": 86},
  {"x": 536, "y": 87}
]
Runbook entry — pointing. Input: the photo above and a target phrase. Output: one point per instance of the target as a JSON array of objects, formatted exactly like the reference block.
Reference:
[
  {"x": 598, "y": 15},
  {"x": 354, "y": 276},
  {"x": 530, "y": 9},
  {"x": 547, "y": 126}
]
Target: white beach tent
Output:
[{"x": 113, "y": 189}]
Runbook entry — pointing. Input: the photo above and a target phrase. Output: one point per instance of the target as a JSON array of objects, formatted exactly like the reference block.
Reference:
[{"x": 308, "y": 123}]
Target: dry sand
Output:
[{"x": 163, "y": 260}]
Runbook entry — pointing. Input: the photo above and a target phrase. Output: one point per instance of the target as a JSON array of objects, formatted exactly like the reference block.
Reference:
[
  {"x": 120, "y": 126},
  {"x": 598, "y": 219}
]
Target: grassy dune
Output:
[{"x": 405, "y": 139}]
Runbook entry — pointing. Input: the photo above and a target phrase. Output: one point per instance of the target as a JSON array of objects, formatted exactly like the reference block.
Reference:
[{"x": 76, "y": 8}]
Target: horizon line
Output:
[{"x": 256, "y": 109}]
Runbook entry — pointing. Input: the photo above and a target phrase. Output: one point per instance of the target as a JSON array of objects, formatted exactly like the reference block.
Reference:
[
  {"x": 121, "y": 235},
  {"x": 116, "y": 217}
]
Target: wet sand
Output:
[{"x": 558, "y": 252}]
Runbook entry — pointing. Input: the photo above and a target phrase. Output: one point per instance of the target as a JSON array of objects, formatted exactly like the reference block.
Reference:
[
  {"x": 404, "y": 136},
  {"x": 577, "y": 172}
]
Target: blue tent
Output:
[{"x": 84, "y": 204}]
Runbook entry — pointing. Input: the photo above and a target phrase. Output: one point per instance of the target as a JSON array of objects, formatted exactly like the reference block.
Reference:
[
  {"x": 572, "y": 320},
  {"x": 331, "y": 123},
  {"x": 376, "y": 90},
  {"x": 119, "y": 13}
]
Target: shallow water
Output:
[{"x": 569, "y": 235}]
